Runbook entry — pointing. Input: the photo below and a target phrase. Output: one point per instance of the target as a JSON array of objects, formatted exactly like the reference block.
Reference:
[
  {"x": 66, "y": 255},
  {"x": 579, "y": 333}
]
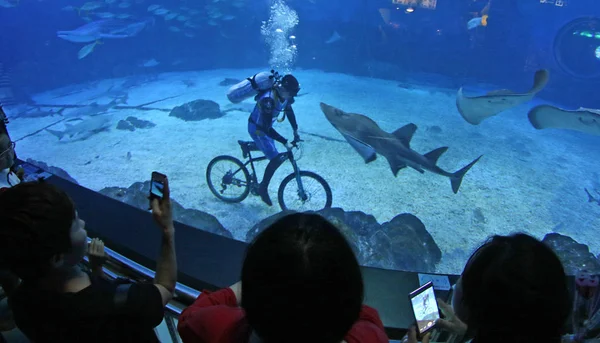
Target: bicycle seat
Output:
[{"x": 247, "y": 146}]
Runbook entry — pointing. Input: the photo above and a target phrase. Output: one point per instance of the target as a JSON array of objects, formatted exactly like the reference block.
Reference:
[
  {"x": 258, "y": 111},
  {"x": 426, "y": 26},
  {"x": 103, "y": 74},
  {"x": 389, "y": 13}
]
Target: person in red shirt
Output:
[{"x": 300, "y": 282}]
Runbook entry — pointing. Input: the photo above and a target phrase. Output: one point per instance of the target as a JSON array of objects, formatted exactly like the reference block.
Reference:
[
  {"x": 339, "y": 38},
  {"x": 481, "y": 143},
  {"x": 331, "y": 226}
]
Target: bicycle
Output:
[{"x": 237, "y": 177}]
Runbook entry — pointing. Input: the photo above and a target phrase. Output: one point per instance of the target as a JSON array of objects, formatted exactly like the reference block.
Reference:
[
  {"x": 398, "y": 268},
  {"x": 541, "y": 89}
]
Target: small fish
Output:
[
  {"x": 151, "y": 8},
  {"x": 128, "y": 157},
  {"x": 228, "y": 17},
  {"x": 171, "y": 16},
  {"x": 105, "y": 15},
  {"x": 174, "y": 29},
  {"x": 334, "y": 38},
  {"x": 161, "y": 11},
  {"x": 124, "y": 5},
  {"x": 591, "y": 197},
  {"x": 150, "y": 63},
  {"x": 87, "y": 49}
]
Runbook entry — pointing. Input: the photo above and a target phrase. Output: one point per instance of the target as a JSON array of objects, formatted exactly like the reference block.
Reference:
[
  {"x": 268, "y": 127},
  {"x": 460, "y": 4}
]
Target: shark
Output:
[
  {"x": 83, "y": 129},
  {"x": 100, "y": 29},
  {"x": 368, "y": 139}
]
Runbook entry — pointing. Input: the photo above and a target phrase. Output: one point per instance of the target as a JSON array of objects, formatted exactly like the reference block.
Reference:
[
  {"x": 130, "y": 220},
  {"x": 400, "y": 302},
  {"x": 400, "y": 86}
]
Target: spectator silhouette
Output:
[
  {"x": 43, "y": 240},
  {"x": 300, "y": 282},
  {"x": 512, "y": 289}
]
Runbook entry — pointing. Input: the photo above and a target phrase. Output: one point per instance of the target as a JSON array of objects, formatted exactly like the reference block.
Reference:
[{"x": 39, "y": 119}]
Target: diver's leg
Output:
[{"x": 267, "y": 145}]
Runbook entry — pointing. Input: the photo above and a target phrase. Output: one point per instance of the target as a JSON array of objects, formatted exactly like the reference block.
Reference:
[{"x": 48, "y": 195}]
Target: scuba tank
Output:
[{"x": 252, "y": 86}]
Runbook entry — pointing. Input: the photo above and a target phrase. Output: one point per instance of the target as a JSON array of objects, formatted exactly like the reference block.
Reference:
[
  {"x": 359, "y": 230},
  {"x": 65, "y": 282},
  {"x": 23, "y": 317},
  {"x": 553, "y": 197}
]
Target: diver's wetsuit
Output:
[{"x": 260, "y": 123}]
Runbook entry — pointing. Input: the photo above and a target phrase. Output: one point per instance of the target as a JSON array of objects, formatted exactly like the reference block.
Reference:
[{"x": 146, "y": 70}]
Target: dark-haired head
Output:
[
  {"x": 301, "y": 282},
  {"x": 290, "y": 85},
  {"x": 40, "y": 230},
  {"x": 514, "y": 289}
]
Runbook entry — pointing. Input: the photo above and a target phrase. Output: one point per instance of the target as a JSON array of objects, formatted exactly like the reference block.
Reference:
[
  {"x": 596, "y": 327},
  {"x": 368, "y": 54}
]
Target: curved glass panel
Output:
[{"x": 427, "y": 125}]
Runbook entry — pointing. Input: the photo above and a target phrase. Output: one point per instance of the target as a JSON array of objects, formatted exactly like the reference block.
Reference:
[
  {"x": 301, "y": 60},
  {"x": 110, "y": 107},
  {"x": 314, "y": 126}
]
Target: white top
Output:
[{"x": 8, "y": 178}]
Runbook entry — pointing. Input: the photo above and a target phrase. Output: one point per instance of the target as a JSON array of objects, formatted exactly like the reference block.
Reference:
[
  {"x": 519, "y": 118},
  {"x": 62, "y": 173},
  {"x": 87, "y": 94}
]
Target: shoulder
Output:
[
  {"x": 368, "y": 328},
  {"x": 214, "y": 314}
]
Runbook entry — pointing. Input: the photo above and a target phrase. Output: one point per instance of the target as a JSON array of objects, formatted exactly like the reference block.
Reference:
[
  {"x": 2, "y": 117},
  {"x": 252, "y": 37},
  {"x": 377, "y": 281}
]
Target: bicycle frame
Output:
[{"x": 290, "y": 157}]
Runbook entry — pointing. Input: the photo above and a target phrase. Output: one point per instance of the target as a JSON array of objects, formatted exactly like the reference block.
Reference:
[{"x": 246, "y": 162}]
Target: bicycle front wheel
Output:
[
  {"x": 228, "y": 179},
  {"x": 317, "y": 193}
]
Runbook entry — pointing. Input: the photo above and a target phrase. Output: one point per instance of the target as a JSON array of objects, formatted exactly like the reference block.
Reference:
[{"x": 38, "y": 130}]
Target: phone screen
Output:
[
  {"x": 425, "y": 307},
  {"x": 156, "y": 188},
  {"x": 157, "y": 185}
]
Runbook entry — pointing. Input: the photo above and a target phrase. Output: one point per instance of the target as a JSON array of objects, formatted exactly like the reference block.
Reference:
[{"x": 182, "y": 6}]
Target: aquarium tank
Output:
[{"x": 419, "y": 127}]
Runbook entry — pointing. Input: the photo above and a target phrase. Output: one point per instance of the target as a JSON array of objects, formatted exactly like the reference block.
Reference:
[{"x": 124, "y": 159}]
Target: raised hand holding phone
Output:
[{"x": 160, "y": 201}]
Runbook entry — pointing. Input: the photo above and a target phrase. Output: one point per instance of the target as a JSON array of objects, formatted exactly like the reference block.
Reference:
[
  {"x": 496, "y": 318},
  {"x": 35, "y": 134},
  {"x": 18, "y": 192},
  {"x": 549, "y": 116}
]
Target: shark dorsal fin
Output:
[
  {"x": 434, "y": 155},
  {"x": 405, "y": 133}
]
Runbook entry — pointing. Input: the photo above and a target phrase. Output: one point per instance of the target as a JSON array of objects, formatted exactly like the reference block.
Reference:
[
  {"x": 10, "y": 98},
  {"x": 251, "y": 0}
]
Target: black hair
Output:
[
  {"x": 301, "y": 282},
  {"x": 290, "y": 83},
  {"x": 36, "y": 219},
  {"x": 515, "y": 290}
]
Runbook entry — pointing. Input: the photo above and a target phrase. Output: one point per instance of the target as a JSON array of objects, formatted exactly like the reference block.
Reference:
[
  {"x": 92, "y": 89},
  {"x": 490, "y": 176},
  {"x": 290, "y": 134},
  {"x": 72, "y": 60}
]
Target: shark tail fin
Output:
[
  {"x": 58, "y": 134},
  {"x": 435, "y": 154},
  {"x": 590, "y": 197},
  {"x": 457, "y": 177}
]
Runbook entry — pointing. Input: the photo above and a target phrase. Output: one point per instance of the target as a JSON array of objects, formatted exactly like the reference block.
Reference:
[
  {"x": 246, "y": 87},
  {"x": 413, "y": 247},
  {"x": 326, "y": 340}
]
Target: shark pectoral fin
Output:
[
  {"x": 435, "y": 154},
  {"x": 396, "y": 167},
  {"x": 405, "y": 133},
  {"x": 366, "y": 151}
]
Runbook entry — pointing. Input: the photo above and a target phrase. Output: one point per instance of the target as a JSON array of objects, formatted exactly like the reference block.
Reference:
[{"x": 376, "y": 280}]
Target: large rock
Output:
[
  {"x": 52, "y": 170},
  {"x": 197, "y": 110},
  {"x": 137, "y": 195},
  {"x": 400, "y": 244},
  {"x": 573, "y": 255}
]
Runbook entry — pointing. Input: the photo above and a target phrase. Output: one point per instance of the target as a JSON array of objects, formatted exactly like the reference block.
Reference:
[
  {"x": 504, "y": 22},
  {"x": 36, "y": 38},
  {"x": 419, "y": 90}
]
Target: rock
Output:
[
  {"x": 229, "y": 82},
  {"x": 400, "y": 244},
  {"x": 53, "y": 170},
  {"x": 197, "y": 110},
  {"x": 137, "y": 196},
  {"x": 125, "y": 125},
  {"x": 132, "y": 123},
  {"x": 573, "y": 255},
  {"x": 140, "y": 123}
]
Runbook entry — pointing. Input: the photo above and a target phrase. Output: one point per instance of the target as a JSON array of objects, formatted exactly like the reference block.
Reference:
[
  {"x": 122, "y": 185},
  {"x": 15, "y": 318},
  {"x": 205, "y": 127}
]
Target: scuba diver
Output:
[{"x": 269, "y": 104}]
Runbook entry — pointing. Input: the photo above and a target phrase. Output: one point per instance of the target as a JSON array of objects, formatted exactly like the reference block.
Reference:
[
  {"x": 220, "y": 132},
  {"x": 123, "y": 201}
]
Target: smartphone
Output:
[
  {"x": 157, "y": 185},
  {"x": 425, "y": 308}
]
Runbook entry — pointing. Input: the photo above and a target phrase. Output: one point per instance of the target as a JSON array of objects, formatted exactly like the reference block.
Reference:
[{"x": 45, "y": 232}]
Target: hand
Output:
[
  {"x": 288, "y": 145},
  {"x": 96, "y": 253},
  {"x": 20, "y": 172},
  {"x": 452, "y": 323},
  {"x": 297, "y": 136},
  {"x": 411, "y": 336},
  {"x": 161, "y": 210}
]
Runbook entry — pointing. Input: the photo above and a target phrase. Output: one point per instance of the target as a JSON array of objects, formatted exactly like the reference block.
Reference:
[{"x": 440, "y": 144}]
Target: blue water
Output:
[{"x": 428, "y": 49}]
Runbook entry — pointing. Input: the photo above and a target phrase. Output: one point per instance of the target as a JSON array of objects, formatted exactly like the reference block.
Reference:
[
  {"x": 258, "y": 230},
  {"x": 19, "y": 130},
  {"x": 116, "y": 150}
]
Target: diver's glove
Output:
[{"x": 296, "y": 137}]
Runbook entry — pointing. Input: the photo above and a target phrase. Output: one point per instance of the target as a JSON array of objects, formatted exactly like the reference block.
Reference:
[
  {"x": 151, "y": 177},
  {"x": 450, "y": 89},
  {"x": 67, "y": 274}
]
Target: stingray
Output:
[
  {"x": 549, "y": 117},
  {"x": 476, "y": 109},
  {"x": 368, "y": 139}
]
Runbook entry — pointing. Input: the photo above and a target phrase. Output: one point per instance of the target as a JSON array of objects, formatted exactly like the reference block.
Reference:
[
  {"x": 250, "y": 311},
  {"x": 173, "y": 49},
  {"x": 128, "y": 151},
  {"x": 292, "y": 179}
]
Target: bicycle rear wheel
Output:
[
  {"x": 317, "y": 191},
  {"x": 228, "y": 178}
]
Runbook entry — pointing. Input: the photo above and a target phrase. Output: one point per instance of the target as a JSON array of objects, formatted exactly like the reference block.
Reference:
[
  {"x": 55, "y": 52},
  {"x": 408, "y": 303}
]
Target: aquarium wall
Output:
[{"x": 424, "y": 126}]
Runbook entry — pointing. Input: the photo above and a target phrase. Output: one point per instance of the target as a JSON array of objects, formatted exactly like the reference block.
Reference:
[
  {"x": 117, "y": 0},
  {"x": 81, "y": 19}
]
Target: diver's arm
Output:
[
  {"x": 289, "y": 111},
  {"x": 265, "y": 118}
]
